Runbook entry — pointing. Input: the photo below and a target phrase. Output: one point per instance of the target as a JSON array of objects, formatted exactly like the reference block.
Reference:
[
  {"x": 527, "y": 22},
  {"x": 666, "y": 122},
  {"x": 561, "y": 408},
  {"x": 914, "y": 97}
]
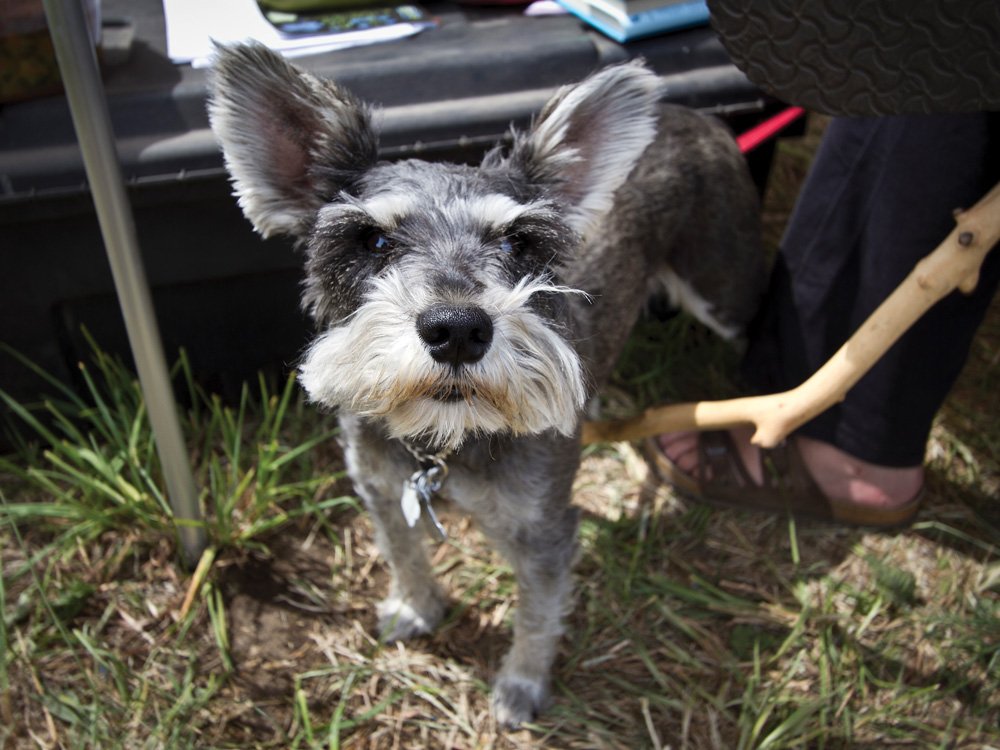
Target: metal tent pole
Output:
[{"x": 81, "y": 79}]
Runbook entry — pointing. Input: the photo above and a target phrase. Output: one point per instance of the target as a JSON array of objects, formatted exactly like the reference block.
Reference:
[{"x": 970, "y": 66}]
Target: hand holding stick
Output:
[{"x": 954, "y": 264}]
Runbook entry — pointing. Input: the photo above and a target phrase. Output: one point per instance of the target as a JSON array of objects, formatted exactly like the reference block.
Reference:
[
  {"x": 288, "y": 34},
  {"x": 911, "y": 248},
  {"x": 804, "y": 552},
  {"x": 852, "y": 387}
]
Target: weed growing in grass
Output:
[{"x": 92, "y": 461}]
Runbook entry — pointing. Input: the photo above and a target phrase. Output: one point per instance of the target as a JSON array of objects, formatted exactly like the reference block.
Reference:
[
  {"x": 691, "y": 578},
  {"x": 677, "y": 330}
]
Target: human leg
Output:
[{"x": 878, "y": 198}]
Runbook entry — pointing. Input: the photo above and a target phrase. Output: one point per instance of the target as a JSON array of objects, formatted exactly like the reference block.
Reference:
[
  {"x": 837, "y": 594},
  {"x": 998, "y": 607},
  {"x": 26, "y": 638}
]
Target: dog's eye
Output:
[
  {"x": 376, "y": 241},
  {"x": 512, "y": 244}
]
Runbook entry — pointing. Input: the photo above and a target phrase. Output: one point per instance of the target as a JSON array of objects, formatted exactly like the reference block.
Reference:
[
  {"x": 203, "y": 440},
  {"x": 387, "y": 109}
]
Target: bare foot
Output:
[{"x": 838, "y": 475}]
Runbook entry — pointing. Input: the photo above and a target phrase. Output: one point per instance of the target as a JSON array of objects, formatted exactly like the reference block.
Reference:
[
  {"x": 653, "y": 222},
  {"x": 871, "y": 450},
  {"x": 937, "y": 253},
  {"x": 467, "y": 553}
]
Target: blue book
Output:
[{"x": 622, "y": 26}]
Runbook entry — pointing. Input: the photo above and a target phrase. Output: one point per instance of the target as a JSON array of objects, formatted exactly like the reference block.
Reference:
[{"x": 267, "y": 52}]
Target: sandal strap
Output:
[
  {"x": 787, "y": 487},
  {"x": 789, "y": 480},
  {"x": 719, "y": 464},
  {"x": 721, "y": 479}
]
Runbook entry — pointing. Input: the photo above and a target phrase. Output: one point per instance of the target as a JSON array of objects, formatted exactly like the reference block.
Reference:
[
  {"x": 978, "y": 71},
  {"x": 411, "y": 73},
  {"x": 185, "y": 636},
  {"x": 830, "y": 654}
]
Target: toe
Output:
[{"x": 681, "y": 449}]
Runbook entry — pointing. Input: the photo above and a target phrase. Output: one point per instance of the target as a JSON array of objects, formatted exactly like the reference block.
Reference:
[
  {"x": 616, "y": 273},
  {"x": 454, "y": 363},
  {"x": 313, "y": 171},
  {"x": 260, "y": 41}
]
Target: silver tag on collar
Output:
[
  {"x": 418, "y": 492},
  {"x": 410, "y": 503}
]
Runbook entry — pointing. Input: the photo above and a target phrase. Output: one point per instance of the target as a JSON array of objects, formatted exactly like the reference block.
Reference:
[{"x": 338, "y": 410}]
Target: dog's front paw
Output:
[
  {"x": 517, "y": 699},
  {"x": 400, "y": 620}
]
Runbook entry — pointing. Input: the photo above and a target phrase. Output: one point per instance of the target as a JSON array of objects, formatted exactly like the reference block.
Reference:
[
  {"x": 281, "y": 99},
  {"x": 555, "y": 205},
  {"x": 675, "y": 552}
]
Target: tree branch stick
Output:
[{"x": 954, "y": 264}]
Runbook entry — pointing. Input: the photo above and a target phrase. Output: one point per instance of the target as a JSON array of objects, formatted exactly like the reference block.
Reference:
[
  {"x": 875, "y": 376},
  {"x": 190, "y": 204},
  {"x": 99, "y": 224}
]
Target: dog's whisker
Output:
[{"x": 529, "y": 286}]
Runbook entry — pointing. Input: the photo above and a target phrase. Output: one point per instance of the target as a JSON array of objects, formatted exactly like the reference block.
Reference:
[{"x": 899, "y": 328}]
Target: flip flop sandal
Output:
[
  {"x": 721, "y": 480},
  {"x": 857, "y": 57}
]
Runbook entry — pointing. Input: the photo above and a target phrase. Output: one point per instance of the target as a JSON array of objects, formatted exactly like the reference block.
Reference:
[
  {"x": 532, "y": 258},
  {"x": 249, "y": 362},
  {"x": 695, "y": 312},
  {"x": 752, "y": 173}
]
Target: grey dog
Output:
[{"x": 466, "y": 315}]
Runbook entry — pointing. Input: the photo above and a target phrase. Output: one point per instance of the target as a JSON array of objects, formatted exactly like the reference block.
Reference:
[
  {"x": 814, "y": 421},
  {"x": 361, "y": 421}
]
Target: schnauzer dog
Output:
[{"x": 466, "y": 315}]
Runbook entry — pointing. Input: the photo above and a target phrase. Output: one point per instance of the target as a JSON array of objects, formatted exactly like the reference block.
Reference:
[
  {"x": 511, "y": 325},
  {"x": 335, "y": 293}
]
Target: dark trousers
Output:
[{"x": 878, "y": 198}]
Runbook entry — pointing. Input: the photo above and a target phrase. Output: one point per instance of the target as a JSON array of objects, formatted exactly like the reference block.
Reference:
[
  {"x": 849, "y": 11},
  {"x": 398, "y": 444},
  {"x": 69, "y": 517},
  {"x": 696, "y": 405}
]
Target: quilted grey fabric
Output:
[{"x": 867, "y": 57}]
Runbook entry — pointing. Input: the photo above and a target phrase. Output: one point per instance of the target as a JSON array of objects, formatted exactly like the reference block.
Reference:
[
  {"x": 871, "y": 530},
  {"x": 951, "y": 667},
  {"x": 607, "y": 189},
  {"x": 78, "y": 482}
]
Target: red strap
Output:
[{"x": 767, "y": 129}]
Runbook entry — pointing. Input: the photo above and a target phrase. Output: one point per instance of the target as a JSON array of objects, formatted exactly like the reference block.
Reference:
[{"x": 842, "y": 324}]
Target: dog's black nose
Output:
[{"x": 455, "y": 335}]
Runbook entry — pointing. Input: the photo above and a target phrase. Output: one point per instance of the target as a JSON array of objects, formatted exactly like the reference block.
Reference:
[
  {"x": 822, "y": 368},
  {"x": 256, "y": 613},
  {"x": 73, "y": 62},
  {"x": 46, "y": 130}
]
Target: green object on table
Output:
[{"x": 304, "y": 6}]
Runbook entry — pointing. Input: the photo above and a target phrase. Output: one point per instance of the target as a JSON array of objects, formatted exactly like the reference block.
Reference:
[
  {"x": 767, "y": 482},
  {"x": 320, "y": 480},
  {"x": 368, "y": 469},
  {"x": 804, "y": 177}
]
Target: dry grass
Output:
[{"x": 691, "y": 628}]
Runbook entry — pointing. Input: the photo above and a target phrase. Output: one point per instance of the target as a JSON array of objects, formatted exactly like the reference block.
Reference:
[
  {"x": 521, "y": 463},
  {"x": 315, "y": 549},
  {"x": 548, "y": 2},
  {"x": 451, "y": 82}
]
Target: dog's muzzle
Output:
[
  {"x": 449, "y": 370},
  {"x": 455, "y": 335}
]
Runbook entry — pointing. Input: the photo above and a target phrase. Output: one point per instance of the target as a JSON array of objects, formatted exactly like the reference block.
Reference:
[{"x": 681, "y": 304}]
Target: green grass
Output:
[
  {"x": 690, "y": 628},
  {"x": 93, "y": 463},
  {"x": 82, "y": 509}
]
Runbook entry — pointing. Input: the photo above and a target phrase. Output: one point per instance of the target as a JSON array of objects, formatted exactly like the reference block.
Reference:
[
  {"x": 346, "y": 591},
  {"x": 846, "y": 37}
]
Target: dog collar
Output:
[{"x": 419, "y": 490}]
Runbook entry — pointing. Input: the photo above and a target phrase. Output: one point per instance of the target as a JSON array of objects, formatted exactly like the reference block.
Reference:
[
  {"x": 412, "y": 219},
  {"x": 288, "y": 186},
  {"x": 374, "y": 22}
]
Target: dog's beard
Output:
[{"x": 375, "y": 365}]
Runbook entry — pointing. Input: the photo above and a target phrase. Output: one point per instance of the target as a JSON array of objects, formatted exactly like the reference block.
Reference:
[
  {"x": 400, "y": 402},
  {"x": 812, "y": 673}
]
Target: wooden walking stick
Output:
[{"x": 954, "y": 264}]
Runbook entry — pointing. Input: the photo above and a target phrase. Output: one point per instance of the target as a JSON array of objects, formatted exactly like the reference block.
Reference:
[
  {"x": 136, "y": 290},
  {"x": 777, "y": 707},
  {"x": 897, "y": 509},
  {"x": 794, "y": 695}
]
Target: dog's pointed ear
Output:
[
  {"x": 291, "y": 141},
  {"x": 588, "y": 137}
]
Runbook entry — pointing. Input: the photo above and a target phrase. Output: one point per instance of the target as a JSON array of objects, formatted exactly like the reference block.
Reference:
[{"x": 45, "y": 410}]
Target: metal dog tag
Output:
[
  {"x": 418, "y": 491},
  {"x": 410, "y": 502}
]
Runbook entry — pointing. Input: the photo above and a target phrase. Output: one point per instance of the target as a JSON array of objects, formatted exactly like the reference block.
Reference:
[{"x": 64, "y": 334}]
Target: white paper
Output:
[
  {"x": 192, "y": 26},
  {"x": 545, "y": 8}
]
